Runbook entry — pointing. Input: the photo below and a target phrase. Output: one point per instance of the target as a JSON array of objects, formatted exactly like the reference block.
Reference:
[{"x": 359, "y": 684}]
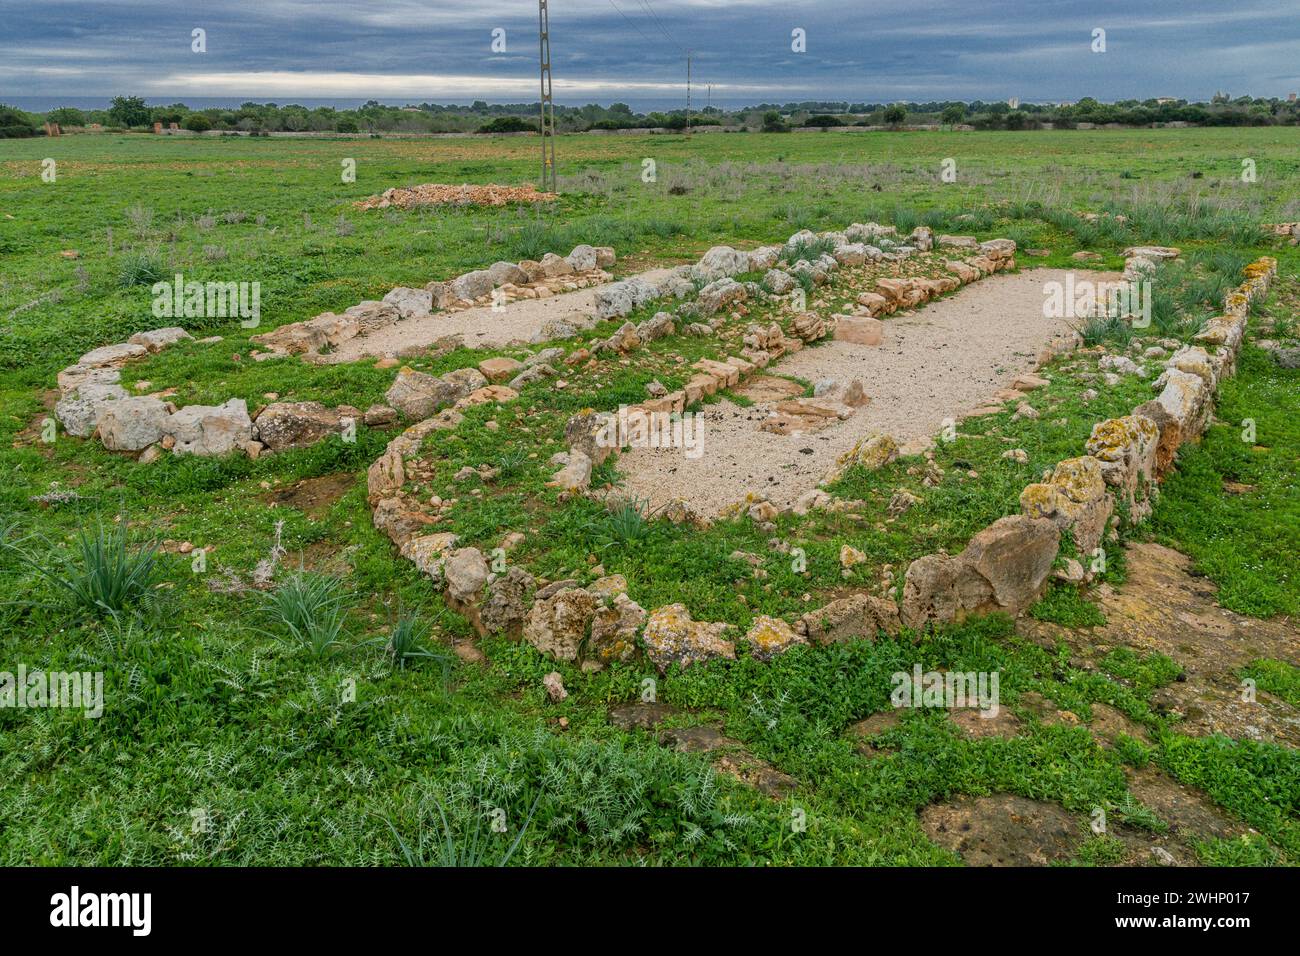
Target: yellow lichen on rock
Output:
[
  {"x": 850, "y": 556},
  {"x": 769, "y": 636}
]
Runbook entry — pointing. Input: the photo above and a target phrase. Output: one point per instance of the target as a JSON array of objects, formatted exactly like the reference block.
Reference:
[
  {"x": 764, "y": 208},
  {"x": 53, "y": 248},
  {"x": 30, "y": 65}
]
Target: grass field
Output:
[{"x": 214, "y": 715}]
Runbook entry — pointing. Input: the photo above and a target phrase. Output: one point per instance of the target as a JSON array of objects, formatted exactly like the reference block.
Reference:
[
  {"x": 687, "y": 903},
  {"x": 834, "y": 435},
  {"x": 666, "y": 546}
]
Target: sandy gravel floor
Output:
[
  {"x": 481, "y": 327},
  {"x": 946, "y": 358}
]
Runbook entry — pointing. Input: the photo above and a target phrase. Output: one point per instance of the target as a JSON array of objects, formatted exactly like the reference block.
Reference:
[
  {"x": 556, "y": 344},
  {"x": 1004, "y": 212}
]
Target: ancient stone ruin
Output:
[{"x": 1004, "y": 568}]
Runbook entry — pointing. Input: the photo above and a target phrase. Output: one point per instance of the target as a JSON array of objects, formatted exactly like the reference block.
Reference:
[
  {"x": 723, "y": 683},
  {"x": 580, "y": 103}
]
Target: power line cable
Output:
[
  {"x": 660, "y": 24},
  {"x": 630, "y": 21}
]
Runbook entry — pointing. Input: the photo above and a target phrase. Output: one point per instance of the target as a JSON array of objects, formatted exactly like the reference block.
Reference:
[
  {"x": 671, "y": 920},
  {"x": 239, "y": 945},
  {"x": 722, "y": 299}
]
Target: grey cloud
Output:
[{"x": 887, "y": 49}]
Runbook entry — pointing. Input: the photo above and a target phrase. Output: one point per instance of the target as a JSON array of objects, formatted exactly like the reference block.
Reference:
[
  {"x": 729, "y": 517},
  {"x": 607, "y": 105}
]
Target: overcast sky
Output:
[{"x": 634, "y": 50}]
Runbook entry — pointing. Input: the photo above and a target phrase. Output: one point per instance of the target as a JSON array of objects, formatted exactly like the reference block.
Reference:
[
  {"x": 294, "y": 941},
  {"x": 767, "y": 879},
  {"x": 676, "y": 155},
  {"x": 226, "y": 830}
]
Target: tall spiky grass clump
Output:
[
  {"x": 808, "y": 249},
  {"x": 105, "y": 575},
  {"x": 403, "y": 643},
  {"x": 625, "y": 525},
  {"x": 310, "y": 610},
  {"x": 141, "y": 268},
  {"x": 472, "y": 843},
  {"x": 1104, "y": 329}
]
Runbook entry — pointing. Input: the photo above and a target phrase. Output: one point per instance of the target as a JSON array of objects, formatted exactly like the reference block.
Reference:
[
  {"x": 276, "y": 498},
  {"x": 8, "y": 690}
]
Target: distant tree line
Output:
[
  {"x": 133, "y": 113},
  {"x": 1221, "y": 111}
]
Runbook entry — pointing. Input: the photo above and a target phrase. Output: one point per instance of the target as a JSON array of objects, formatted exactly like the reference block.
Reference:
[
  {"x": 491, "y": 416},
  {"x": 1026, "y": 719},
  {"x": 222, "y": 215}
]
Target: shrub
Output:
[
  {"x": 14, "y": 124},
  {"x": 508, "y": 124},
  {"x": 346, "y": 125},
  {"x": 66, "y": 116},
  {"x": 614, "y": 124},
  {"x": 823, "y": 120},
  {"x": 197, "y": 123},
  {"x": 129, "y": 111}
]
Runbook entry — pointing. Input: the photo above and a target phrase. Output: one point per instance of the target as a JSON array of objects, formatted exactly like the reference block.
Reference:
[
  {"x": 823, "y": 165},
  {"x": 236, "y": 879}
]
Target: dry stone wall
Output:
[
  {"x": 1005, "y": 568},
  {"x": 500, "y": 283},
  {"x": 600, "y": 623},
  {"x": 1089, "y": 496},
  {"x": 94, "y": 404}
]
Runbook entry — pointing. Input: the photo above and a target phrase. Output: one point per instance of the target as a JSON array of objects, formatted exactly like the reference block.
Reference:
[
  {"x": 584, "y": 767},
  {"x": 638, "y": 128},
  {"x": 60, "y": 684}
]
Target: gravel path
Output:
[
  {"x": 481, "y": 327},
  {"x": 944, "y": 359}
]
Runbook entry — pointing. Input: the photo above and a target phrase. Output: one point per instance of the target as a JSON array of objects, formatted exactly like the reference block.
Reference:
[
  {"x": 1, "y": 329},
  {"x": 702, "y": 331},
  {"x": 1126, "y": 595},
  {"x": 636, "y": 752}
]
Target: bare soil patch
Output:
[
  {"x": 1162, "y": 608},
  {"x": 976, "y": 724},
  {"x": 481, "y": 327},
  {"x": 1004, "y": 829},
  {"x": 730, "y": 757},
  {"x": 314, "y": 496},
  {"x": 1191, "y": 815},
  {"x": 459, "y": 194},
  {"x": 934, "y": 364}
]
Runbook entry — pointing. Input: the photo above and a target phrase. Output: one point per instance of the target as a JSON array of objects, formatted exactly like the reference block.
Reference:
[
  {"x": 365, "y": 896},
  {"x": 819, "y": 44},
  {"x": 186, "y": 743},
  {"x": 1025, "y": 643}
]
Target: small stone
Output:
[
  {"x": 1071, "y": 573},
  {"x": 500, "y": 369},
  {"x": 901, "y": 501},
  {"x": 380, "y": 415},
  {"x": 554, "y": 684},
  {"x": 466, "y": 572},
  {"x": 850, "y": 556},
  {"x": 855, "y": 396},
  {"x": 1027, "y": 383},
  {"x": 769, "y": 637}
]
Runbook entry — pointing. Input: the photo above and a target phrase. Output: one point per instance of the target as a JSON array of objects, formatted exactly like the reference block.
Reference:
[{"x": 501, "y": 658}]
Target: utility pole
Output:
[
  {"x": 688, "y": 92},
  {"x": 547, "y": 103}
]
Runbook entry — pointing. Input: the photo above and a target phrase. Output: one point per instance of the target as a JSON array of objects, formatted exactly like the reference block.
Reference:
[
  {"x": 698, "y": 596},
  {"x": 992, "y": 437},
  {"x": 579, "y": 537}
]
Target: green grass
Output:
[
  {"x": 1277, "y": 677},
  {"x": 1259, "y": 782},
  {"x": 1248, "y": 543},
  {"x": 1065, "y": 605},
  {"x": 1145, "y": 672},
  {"x": 302, "y": 722}
]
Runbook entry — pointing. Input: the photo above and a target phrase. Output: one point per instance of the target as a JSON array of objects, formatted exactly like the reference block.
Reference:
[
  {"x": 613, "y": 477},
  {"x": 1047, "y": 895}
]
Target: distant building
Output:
[
  {"x": 1163, "y": 100},
  {"x": 1290, "y": 98}
]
